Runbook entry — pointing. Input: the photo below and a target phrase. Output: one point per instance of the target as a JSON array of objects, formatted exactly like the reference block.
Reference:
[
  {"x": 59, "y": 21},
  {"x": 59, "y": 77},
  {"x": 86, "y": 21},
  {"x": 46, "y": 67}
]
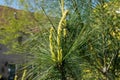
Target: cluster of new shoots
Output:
[{"x": 57, "y": 54}]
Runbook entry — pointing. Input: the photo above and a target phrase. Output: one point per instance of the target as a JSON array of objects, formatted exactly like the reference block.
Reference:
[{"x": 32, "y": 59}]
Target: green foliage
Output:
[
  {"x": 91, "y": 48},
  {"x": 50, "y": 62},
  {"x": 104, "y": 46},
  {"x": 84, "y": 46},
  {"x": 19, "y": 23}
]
